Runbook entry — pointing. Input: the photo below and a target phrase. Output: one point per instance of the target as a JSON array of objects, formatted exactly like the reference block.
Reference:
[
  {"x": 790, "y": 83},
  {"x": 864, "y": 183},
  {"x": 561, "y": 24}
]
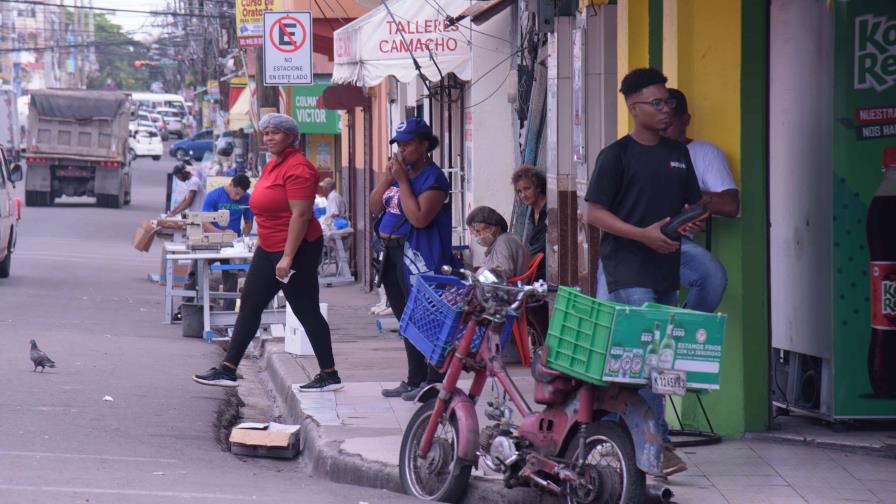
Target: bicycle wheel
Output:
[
  {"x": 440, "y": 476},
  {"x": 610, "y": 474}
]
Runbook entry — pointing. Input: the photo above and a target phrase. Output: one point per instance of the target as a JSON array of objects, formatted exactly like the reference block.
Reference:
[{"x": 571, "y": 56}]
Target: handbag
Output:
[{"x": 379, "y": 256}]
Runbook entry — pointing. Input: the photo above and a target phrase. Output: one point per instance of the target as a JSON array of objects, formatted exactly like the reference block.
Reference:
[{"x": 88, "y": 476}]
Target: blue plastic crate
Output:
[{"x": 432, "y": 316}]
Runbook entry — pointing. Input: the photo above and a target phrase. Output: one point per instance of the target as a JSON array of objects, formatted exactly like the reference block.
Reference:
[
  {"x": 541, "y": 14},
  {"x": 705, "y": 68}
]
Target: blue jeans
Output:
[
  {"x": 703, "y": 275},
  {"x": 636, "y": 296}
]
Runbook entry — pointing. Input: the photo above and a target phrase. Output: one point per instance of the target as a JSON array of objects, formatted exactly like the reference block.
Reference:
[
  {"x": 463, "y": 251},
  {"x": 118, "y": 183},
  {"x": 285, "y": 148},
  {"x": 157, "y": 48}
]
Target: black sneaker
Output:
[
  {"x": 217, "y": 377},
  {"x": 323, "y": 382},
  {"x": 397, "y": 391}
]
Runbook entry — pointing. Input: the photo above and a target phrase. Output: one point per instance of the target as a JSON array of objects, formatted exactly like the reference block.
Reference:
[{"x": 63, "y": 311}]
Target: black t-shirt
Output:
[
  {"x": 538, "y": 239},
  {"x": 642, "y": 184}
]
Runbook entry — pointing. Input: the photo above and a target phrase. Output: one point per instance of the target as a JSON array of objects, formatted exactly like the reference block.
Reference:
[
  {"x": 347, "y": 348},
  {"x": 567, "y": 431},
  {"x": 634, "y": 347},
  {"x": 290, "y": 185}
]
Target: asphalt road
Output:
[{"x": 81, "y": 291}]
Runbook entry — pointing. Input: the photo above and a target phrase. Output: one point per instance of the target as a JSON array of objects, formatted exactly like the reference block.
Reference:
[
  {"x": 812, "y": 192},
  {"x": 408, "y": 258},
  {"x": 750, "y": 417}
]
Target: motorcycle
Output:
[{"x": 574, "y": 447}]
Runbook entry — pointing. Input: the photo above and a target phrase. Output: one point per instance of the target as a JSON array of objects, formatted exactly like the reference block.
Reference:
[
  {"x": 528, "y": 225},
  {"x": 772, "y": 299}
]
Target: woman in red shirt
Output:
[{"x": 290, "y": 243}]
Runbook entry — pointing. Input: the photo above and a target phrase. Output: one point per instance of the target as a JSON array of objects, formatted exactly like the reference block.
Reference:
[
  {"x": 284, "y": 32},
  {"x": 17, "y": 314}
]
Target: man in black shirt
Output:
[{"x": 640, "y": 181}]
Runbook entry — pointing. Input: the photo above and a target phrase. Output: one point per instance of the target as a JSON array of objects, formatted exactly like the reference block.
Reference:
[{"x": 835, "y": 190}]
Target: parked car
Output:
[
  {"x": 173, "y": 121},
  {"x": 160, "y": 123},
  {"x": 145, "y": 142},
  {"x": 197, "y": 145},
  {"x": 133, "y": 126},
  {"x": 10, "y": 212}
]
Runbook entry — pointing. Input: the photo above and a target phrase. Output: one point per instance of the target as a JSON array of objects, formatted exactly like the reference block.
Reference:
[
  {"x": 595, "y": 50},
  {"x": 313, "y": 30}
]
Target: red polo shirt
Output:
[{"x": 287, "y": 177}]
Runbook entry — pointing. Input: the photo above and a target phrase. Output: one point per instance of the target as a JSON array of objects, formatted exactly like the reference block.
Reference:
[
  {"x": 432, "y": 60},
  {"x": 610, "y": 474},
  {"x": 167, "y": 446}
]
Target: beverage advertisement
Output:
[
  {"x": 663, "y": 338},
  {"x": 864, "y": 209}
]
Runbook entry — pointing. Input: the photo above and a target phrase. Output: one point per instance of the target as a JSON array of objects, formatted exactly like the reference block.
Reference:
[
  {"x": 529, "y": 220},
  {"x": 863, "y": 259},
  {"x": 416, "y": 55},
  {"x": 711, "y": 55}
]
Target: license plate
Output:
[{"x": 667, "y": 381}]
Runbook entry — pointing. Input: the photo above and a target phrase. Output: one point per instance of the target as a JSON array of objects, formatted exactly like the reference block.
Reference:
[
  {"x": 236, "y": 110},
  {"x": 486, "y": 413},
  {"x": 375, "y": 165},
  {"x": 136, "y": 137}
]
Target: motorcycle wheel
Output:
[
  {"x": 441, "y": 476},
  {"x": 610, "y": 474}
]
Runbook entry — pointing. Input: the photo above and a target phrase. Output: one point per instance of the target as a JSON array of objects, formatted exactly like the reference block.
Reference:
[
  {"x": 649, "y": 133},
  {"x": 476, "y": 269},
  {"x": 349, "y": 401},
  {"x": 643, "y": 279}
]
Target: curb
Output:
[
  {"x": 328, "y": 460},
  {"x": 874, "y": 450}
]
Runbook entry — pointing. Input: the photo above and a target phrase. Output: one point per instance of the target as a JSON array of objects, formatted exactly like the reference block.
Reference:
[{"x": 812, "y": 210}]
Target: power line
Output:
[
  {"x": 109, "y": 9},
  {"x": 88, "y": 44}
]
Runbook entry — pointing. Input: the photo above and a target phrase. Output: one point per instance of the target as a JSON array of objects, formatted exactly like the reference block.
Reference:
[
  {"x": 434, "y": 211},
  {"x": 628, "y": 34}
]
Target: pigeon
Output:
[{"x": 40, "y": 359}]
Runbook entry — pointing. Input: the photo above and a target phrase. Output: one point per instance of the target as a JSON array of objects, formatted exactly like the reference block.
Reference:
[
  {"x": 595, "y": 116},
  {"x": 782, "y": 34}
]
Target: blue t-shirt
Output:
[
  {"x": 426, "y": 249},
  {"x": 218, "y": 199}
]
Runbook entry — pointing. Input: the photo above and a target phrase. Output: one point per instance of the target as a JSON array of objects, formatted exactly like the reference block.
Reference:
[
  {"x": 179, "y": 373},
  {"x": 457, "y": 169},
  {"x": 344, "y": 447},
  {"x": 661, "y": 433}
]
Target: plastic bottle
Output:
[
  {"x": 881, "y": 235},
  {"x": 652, "y": 354},
  {"x": 667, "y": 347}
]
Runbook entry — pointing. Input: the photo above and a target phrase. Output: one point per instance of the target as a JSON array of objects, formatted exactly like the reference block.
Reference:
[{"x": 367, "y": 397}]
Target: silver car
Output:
[{"x": 174, "y": 121}]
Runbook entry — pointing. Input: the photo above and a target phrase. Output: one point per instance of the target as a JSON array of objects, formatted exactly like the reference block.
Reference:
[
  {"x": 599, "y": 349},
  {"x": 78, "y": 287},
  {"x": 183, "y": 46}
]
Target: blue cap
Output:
[{"x": 411, "y": 129}]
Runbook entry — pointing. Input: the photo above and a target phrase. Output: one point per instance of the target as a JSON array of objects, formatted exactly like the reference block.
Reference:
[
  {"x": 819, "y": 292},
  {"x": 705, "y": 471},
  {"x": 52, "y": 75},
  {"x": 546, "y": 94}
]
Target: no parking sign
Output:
[{"x": 287, "y": 48}]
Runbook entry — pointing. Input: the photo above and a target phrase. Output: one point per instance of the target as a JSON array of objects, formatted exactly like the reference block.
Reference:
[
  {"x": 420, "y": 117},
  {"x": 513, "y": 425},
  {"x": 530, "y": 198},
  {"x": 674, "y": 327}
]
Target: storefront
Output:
[
  {"x": 407, "y": 60},
  {"x": 320, "y": 128}
]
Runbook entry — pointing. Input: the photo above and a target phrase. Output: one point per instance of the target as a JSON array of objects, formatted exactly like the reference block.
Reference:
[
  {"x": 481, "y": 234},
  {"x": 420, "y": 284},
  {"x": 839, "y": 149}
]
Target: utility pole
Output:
[{"x": 266, "y": 95}]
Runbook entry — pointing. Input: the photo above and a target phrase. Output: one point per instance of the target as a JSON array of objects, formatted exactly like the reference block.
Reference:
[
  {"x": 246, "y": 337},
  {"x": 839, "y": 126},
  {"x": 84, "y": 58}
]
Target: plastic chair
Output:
[{"x": 520, "y": 326}]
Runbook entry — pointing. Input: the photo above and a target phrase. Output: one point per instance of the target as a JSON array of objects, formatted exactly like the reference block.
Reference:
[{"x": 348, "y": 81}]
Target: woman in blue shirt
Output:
[{"x": 416, "y": 232}]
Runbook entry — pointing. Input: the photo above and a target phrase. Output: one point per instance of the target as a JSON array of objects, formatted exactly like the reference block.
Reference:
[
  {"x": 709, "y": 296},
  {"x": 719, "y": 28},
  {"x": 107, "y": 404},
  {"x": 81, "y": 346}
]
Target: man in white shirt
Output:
[
  {"x": 703, "y": 274},
  {"x": 195, "y": 191},
  {"x": 335, "y": 202}
]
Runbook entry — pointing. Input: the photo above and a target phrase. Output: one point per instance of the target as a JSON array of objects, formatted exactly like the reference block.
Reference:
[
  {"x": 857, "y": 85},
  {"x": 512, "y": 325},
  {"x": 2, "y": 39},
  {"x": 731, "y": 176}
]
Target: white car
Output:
[
  {"x": 145, "y": 142},
  {"x": 173, "y": 121}
]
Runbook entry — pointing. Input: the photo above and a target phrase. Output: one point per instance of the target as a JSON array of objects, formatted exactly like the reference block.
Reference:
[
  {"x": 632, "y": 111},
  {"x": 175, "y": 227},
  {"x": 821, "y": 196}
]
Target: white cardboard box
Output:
[{"x": 296, "y": 340}]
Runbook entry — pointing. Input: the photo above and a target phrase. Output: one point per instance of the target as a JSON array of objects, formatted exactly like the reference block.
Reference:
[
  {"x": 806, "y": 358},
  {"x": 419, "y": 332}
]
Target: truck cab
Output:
[{"x": 10, "y": 211}]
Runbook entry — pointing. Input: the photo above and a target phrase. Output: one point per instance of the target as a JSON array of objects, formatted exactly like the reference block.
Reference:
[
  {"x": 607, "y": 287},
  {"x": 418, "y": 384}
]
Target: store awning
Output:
[
  {"x": 379, "y": 43},
  {"x": 481, "y": 12},
  {"x": 239, "y": 112}
]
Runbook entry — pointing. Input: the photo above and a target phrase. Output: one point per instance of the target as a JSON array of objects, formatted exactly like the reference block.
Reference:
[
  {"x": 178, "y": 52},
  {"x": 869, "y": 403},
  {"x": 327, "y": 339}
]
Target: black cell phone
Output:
[{"x": 673, "y": 229}]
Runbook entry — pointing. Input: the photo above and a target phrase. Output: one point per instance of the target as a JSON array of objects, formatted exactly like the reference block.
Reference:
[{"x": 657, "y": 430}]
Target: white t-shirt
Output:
[
  {"x": 336, "y": 204},
  {"x": 194, "y": 184},
  {"x": 713, "y": 173}
]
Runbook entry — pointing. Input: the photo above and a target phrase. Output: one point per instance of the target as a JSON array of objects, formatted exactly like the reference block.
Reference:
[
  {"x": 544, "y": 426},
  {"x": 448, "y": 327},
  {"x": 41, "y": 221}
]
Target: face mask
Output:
[{"x": 485, "y": 240}]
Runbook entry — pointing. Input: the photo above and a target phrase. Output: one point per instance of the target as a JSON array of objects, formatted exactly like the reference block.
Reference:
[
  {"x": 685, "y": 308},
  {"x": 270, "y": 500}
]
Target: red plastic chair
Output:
[{"x": 520, "y": 326}]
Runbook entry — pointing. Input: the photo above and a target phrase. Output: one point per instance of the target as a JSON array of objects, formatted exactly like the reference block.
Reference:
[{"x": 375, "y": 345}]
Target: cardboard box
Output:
[
  {"x": 144, "y": 236},
  {"x": 265, "y": 440},
  {"x": 181, "y": 272},
  {"x": 667, "y": 337}
]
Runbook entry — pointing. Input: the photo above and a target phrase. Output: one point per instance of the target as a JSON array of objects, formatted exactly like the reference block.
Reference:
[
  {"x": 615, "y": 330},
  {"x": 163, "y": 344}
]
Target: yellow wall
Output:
[
  {"x": 709, "y": 72},
  {"x": 632, "y": 44}
]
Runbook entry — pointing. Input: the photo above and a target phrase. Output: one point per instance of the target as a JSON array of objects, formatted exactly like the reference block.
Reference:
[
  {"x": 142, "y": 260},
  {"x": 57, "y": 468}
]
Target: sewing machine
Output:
[{"x": 199, "y": 239}]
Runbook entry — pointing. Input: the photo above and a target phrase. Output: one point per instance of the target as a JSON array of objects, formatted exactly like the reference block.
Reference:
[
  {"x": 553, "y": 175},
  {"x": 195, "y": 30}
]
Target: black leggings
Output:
[
  {"x": 419, "y": 371},
  {"x": 302, "y": 292}
]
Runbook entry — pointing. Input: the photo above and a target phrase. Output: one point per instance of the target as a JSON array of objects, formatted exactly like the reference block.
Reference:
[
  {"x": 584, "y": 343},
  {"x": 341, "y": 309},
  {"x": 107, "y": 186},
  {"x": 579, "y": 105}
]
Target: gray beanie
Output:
[{"x": 281, "y": 122}]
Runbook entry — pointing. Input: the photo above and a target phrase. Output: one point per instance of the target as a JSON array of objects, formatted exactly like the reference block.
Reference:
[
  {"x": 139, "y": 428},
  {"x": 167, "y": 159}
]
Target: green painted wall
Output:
[{"x": 741, "y": 244}]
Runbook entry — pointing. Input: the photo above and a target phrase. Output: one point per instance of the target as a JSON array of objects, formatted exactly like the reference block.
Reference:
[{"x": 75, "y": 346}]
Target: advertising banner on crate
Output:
[
  {"x": 864, "y": 248},
  {"x": 643, "y": 339}
]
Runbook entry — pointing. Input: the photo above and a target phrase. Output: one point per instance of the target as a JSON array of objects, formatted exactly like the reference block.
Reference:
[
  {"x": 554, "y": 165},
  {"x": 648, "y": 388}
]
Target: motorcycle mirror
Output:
[{"x": 15, "y": 173}]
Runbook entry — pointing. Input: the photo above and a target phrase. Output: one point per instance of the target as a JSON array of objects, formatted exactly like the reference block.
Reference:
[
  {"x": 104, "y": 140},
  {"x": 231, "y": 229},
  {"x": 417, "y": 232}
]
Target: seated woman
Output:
[
  {"x": 504, "y": 253},
  {"x": 531, "y": 187}
]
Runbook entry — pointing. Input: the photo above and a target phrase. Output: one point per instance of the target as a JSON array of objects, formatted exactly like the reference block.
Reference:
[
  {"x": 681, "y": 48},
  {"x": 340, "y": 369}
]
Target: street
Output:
[{"x": 81, "y": 290}]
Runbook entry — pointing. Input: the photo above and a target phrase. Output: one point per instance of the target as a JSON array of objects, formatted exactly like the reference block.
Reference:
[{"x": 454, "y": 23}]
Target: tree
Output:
[{"x": 116, "y": 53}]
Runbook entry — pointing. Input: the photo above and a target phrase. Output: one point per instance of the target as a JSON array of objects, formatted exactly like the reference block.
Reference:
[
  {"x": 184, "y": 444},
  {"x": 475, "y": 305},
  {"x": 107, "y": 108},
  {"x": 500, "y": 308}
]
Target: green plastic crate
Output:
[{"x": 579, "y": 335}]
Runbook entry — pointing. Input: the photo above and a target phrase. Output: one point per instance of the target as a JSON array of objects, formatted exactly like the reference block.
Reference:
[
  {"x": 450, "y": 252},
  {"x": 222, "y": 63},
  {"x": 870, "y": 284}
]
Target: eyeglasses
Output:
[{"x": 658, "y": 103}]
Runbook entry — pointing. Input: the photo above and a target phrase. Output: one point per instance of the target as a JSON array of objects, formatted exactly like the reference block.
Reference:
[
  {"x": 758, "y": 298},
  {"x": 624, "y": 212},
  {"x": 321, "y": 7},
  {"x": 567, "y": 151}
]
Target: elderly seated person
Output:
[{"x": 504, "y": 252}]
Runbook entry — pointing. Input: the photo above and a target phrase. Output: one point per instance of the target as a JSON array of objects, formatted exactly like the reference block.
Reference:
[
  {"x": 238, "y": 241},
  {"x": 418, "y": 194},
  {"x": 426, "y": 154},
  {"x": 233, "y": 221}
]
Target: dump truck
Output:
[{"x": 77, "y": 145}]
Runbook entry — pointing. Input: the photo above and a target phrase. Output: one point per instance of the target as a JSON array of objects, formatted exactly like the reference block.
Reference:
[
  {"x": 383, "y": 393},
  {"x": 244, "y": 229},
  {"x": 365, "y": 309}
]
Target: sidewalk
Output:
[{"x": 353, "y": 435}]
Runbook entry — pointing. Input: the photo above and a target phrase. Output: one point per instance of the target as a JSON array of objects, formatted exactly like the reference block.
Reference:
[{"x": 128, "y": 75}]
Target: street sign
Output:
[
  {"x": 249, "y": 23},
  {"x": 287, "y": 48}
]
